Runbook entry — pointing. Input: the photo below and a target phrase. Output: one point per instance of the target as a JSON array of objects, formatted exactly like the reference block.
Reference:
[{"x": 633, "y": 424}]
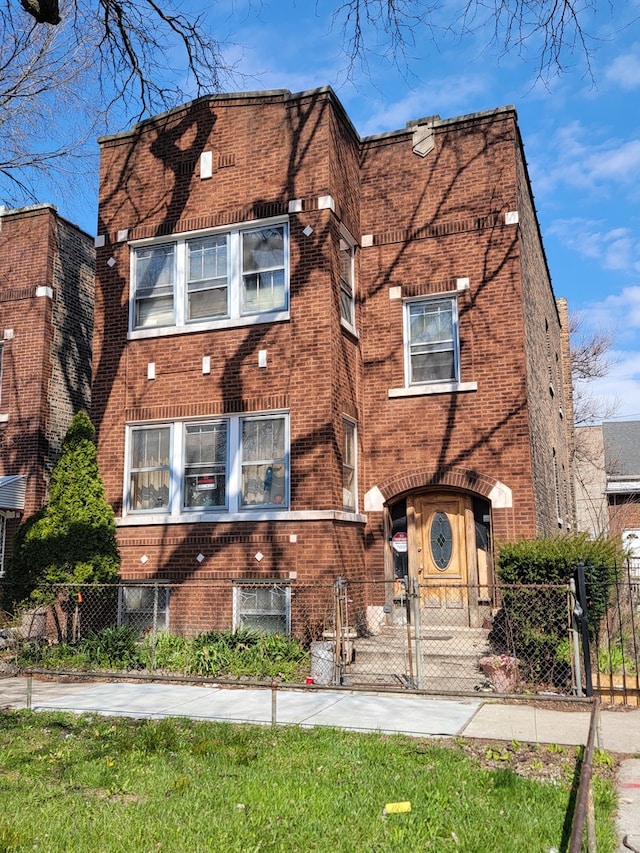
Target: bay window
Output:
[
  {"x": 211, "y": 466},
  {"x": 202, "y": 281}
]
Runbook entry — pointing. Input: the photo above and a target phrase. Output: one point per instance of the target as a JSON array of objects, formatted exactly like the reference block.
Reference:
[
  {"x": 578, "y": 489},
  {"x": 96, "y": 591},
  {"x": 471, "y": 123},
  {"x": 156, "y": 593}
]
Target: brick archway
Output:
[{"x": 452, "y": 478}]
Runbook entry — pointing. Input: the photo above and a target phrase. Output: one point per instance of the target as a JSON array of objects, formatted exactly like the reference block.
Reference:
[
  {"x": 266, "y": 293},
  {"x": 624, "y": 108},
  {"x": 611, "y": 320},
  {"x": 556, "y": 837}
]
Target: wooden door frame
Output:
[{"x": 414, "y": 520}]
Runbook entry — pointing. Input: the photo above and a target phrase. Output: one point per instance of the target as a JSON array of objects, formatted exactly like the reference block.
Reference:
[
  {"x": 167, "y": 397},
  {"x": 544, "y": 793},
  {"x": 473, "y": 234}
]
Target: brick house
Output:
[
  {"x": 317, "y": 354},
  {"x": 608, "y": 482},
  {"x": 47, "y": 270}
]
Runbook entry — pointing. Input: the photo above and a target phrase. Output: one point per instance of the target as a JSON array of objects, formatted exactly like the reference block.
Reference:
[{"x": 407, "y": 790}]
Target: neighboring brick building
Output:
[
  {"x": 608, "y": 482},
  {"x": 47, "y": 270},
  {"x": 307, "y": 343}
]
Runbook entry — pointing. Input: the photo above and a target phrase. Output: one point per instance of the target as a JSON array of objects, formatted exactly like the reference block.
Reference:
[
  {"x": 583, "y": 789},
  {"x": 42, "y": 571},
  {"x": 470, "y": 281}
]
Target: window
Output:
[
  {"x": 349, "y": 458},
  {"x": 262, "y": 607},
  {"x": 347, "y": 280},
  {"x": 155, "y": 284},
  {"x": 205, "y": 473},
  {"x": 144, "y": 607},
  {"x": 431, "y": 341},
  {"x": 207, "y": 279},
  {"x": 263, "y": 269},
  {"x": 226, "y": 464},
  {"x": 263, "y": 461},
  {"x": 150, "y": 471},
  {"x": 204, "y": 280}
]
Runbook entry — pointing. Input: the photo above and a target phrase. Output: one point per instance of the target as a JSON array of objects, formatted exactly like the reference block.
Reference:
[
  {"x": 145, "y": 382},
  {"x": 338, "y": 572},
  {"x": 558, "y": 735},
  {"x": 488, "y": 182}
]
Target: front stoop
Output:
[{"x": 449, "y": 657}]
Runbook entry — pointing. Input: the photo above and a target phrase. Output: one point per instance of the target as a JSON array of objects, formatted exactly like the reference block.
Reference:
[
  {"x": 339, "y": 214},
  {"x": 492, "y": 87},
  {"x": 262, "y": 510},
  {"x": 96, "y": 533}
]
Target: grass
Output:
[{"x": 97, "y": 784}]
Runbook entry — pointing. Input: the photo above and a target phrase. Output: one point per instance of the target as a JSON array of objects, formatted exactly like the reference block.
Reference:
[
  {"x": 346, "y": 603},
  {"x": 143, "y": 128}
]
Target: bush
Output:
[
  {"x": 533, "y": 620},
  {"x": 112, "y": 648},
  {"x": 72, "y": 539},
  {"x": 240, "y": 654}
]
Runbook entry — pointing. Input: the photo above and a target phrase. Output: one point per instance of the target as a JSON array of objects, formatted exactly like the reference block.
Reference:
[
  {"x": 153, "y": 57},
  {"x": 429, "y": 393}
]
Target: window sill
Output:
[
  {"x": 350, "y": 329},
  {"x": 235, "y": 517},
  {"x": 210, "y": 326},
  {"x": 436, "y": 388}
]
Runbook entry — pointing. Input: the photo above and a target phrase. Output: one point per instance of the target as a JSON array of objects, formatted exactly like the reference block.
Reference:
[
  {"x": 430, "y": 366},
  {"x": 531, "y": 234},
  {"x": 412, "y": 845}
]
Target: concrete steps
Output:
[{"x": 449, "y": 658}]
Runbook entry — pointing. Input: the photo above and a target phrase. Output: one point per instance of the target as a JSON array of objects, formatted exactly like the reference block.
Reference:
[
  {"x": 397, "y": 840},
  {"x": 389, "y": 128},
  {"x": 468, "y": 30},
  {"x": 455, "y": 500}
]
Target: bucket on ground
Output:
[{"x": 322, "y": 662}]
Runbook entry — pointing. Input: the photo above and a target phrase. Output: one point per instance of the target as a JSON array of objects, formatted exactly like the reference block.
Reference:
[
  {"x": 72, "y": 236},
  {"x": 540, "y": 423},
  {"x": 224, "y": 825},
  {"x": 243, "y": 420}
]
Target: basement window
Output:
[
  {"x": 262, "y": 606},
  {"x": 143, "y": 607}
]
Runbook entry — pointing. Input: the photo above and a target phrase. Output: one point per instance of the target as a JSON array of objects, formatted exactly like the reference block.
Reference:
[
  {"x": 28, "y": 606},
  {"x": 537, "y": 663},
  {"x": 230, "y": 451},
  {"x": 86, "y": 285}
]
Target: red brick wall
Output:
[
  {"x": 435, "y": 220},
  {"x": 430, "y": 221},
  {"x": 150, "y": 184},
  {"x": 47, "y": 342},
  {"x": 550, "y": 406}
]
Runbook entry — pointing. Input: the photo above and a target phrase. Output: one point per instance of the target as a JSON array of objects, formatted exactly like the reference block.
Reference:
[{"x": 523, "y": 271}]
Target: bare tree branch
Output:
[
  {"x": 553, "y": 33},
  {"x": 590, "y": 359}
]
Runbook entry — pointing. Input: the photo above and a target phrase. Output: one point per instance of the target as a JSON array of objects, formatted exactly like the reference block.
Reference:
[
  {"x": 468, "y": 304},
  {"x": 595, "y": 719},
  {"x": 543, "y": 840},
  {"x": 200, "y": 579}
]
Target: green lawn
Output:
[{"x": 101, "y": 784}]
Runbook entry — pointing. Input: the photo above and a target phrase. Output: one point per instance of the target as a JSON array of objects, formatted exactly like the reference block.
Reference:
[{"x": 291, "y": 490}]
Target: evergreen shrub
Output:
[
  {"x": 72, "y": 539},
  {"x": 533, "y": 622}
]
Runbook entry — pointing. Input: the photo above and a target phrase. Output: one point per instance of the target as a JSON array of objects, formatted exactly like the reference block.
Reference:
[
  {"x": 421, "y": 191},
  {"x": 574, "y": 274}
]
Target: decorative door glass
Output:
[{"x": 441, "y": 537}]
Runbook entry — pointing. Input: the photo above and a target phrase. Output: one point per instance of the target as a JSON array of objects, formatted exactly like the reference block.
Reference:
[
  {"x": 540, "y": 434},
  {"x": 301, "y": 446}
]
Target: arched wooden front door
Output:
[{"x": 438, "y": 528}]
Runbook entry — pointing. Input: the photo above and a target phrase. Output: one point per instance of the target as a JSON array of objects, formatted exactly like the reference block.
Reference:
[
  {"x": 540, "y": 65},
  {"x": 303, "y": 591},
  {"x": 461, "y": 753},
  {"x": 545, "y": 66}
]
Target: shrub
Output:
[
  {"x": 72, "y": 538},
  {"x": 240, "y": 654},
  {"x": 112, "y": 648},
  {"x": 534, "y": 614}
]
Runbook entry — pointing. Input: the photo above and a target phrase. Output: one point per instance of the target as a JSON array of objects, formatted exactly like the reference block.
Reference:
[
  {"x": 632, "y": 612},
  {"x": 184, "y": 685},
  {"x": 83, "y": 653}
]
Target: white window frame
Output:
[
  {"x": 176, "y": 508},
  {"x": 347, "y": 273},
  {"x": 137, "y": 618},
  {"x": 237, "y": 313},
  {"x": 240, "y": 587},
  {"x": 349, "y": 431},
  {"x": 455, "y": 342},
  {"x": 149, "y": 469}
]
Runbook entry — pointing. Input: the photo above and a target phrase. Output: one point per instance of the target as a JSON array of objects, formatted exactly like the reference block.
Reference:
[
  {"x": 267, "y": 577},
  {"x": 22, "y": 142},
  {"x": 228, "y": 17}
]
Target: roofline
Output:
[
  {"x": 272, "y": 94},
  {"x": 41, "y": 207},
  {"x": 285, "y": 95}
]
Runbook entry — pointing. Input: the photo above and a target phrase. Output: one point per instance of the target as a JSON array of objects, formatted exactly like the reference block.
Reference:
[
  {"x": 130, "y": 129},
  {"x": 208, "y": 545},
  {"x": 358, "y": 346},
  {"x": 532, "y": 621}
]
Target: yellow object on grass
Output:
[{"x": 397, "y": 808}]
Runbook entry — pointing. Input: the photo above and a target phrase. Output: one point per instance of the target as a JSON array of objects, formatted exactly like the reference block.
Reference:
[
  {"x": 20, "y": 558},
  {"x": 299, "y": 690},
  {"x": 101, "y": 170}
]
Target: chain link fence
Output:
[{"x": 516, "y": 639}]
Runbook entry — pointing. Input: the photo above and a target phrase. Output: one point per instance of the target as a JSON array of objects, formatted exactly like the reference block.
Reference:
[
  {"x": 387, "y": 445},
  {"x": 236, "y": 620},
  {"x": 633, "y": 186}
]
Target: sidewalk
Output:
[{"x": 409, "y": 714}]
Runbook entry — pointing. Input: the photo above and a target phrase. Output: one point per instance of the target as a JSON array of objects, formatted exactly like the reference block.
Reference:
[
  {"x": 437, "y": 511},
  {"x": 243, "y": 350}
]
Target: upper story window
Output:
[
  {"x": 431, "y": 341},
  {"x": 201, "y": 281},
  {"x": 347, "y": 283},
  {"x": 221, "y": 465}
]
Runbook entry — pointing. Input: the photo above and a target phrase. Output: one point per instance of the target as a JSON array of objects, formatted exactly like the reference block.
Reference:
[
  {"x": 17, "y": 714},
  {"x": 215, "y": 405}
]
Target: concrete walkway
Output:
[{"x": 409, "y": 714}]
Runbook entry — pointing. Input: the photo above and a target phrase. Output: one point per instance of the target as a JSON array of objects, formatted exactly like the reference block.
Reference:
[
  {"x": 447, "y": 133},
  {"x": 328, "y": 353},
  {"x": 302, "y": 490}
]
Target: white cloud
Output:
[
  {"x": 618, "y": 314},
  {"x": 445, "y": 97},
  {"x": 624, "y": 71},
  {"x": 576, "y": 157},
  {"x": 614, "y": 248},
  {"x": 621, "y": 388}
]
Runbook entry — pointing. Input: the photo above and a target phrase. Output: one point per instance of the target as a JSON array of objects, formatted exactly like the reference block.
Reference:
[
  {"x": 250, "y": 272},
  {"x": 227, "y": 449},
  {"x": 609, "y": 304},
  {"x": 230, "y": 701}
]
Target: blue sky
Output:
[{"x": 581, "y": 135}]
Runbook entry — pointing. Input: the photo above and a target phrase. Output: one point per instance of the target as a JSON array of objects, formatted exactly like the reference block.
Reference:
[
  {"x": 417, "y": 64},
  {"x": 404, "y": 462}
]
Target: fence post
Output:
[
  {"x": 416, "y": 632},
  {"x": 575, "y": 642},
  {"x": 154, "y": 632},
  {"x": 583, "y": 618}
]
